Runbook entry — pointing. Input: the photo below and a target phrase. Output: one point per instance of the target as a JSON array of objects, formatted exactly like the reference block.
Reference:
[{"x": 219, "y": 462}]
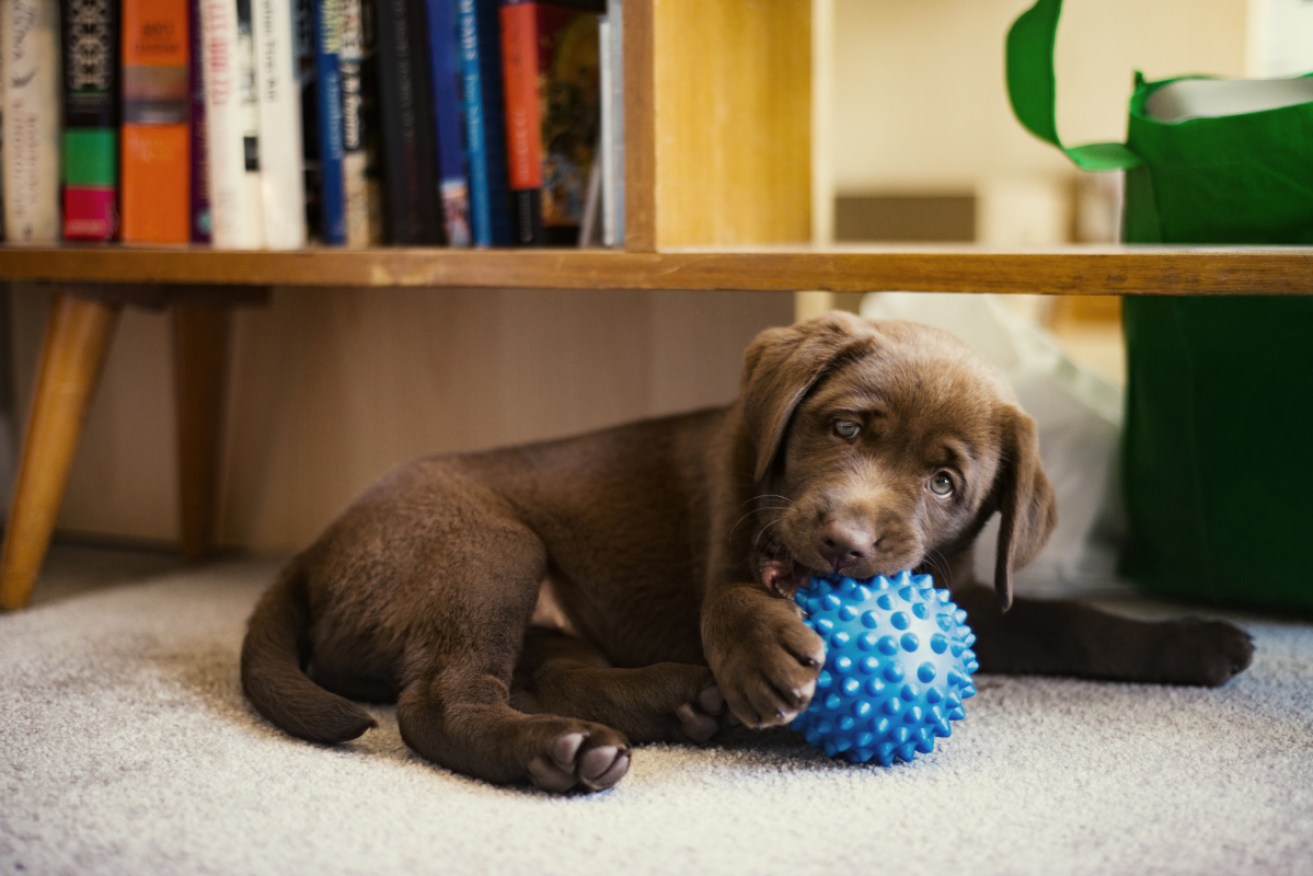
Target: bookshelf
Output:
[
  {"x": 1086, "y": 270},
  {"x": 715, "y": 201}
]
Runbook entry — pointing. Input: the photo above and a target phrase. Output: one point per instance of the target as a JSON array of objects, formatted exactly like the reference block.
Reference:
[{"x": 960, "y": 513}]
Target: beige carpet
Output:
[{"x": 126, "y": 747}]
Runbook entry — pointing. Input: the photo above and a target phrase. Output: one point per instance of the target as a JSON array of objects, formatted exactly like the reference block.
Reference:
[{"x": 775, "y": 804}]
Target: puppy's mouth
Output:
[
  {"x": 782, "y": 575},
  {"x": 781, "y": 572}
]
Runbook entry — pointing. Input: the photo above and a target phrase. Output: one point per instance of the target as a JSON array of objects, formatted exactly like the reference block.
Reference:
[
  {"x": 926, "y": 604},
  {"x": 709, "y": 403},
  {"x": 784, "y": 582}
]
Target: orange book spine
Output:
[{"x": 156, "y": 140}]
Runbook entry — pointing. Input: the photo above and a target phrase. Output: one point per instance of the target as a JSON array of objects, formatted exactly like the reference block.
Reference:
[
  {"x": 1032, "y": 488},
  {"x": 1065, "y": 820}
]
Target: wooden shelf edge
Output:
[{"x": 1094, "y": 270}]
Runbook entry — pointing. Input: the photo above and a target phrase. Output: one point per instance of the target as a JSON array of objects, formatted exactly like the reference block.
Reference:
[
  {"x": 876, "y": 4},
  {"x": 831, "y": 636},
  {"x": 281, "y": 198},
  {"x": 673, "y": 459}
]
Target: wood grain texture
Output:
[
  {"x": 1094, "y": 270},
  {"x": 76, "y": 340},
  {"x": 732, "y": 115},
  {"x": 640, "y": 128}
]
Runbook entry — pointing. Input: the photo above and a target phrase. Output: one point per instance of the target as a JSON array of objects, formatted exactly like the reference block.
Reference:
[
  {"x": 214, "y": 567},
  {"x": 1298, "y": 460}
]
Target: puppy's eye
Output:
[
  {"x": 847, "y": 429},
  {"x": 942, "y": 484}
]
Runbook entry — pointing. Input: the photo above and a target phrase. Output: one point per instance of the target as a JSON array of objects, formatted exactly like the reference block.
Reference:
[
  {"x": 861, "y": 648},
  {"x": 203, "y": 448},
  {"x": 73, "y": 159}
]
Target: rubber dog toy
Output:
[{"x": 898, "y": 665}]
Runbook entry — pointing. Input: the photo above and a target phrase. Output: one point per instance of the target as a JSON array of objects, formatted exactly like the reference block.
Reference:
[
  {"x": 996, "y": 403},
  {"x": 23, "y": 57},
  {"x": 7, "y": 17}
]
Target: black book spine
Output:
[{"x": 409, "y": 165}]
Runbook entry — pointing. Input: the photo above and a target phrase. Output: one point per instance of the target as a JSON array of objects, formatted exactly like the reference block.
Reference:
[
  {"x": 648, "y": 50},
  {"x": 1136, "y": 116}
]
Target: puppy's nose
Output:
[{"x": 844, "y": 544}]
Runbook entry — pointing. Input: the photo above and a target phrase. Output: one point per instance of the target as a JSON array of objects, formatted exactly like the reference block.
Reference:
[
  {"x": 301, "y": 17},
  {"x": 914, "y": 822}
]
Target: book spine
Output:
[
  {"x": 308, "y": 86},
  {"x": 405, "y": 108},
  {"x": 328, "y": 103},
  {"x": 31, "y": 115},
  {"x": 444, "y": 64},
  {"x": 200, "y": 162},
  {"x": 90, "y": 139},
  {"x": 485, "y": 123},
  {"x": 229, "y": 210},
  {"x": 155, "y": 141},
  {"x": 613, "y": 125},
  {"x": 252, "y": 203},
  {"x": 282, "y": 182},
  {"x": 524, "y": 159},
  {"x": 355, "y": 159},
  {"x": 369, "y": 111},
  {"x": 4, "y": 50}
]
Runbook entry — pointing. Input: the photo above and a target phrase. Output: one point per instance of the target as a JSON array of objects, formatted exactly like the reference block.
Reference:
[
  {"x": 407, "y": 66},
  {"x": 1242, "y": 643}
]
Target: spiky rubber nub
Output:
[{"x": 898, "y": 665}]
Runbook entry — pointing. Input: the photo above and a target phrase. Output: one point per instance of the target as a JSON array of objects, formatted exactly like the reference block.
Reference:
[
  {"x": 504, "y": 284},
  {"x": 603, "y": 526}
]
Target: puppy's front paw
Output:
[
  {"x": 1206, "y": 652},
  {"x": 769, "y": 678}
]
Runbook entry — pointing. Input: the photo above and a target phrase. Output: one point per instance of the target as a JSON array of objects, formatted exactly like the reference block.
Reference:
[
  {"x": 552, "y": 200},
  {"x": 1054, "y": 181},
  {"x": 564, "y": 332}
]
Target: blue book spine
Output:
[
  {"x": 328, "y": 97},
  {"x": 444, "y": 62},
  {"x": 485, "y": 122}
]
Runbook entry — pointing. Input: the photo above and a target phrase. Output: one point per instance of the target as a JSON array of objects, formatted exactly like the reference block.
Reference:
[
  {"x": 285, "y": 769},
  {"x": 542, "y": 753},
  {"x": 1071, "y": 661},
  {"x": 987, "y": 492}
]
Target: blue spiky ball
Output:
[{"x": 898, "y": 664}]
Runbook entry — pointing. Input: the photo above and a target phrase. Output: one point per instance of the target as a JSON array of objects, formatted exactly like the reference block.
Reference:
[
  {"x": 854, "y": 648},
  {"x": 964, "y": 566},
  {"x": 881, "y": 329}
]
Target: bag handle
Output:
[{"x": 1032, "y": 88}]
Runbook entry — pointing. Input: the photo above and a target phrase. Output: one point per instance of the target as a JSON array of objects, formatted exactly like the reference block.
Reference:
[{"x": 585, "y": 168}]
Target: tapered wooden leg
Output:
[
  {"x": 201, "y": 354},
  {"x": 77, "y": 338}
]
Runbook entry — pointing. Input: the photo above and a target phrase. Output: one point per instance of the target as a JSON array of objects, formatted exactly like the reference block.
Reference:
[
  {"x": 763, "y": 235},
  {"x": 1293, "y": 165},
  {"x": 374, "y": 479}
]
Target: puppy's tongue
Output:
[{"x": 783, "y": 577}]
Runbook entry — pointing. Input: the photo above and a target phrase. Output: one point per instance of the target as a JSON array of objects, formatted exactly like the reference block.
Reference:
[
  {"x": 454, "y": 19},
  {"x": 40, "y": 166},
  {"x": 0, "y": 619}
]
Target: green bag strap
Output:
[{"x": 1033, "y": 92}]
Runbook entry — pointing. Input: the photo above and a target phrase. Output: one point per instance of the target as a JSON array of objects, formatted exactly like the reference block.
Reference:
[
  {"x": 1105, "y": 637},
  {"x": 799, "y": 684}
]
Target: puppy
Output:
[{"x": 535, "y": 611}]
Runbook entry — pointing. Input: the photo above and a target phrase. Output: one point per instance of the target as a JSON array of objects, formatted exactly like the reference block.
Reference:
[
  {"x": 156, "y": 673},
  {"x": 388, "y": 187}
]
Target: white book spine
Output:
[
  {"x": 282, "y": 172},
  {"x": 31, "y": 86},
  {"x": 611, "y": 35},
  {"x": 224, "y": 130},
  {"x": 253, "y": 197}
]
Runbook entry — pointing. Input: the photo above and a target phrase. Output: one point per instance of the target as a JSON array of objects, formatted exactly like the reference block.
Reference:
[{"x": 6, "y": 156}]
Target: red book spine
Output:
[{"x": 519, "y": 27}]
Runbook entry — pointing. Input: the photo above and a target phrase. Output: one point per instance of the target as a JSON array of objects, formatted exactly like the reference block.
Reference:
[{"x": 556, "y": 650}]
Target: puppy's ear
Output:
[
  {"x": 783, "y": 364},
  {"x": 1026, "y": 501}
]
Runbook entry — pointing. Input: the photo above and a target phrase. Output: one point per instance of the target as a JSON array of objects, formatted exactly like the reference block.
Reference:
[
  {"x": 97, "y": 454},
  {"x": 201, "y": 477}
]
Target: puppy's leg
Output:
[
  {"x": 462, "y": 719},
  {"x": 1069, "y": 638},
  {"x": 765, "y": 659},
  {"x": 454, "y": 704},
  {"x": 663, "y": 702}
]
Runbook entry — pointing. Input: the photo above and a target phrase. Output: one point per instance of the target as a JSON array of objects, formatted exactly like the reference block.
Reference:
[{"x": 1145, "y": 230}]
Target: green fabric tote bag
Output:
[{"x": 1216, "y": 464}]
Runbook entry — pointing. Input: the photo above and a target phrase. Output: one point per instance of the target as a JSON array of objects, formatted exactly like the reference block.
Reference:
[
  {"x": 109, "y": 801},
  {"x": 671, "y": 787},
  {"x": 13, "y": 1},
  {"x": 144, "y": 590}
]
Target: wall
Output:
[
  {"x": 919, "y": 103},
  {"x": 331, "y": 388}
]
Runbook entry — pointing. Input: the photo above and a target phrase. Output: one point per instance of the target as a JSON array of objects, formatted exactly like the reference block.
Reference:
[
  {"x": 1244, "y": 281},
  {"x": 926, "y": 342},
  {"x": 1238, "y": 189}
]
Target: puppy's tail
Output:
[{"x": 272, "y": 673}]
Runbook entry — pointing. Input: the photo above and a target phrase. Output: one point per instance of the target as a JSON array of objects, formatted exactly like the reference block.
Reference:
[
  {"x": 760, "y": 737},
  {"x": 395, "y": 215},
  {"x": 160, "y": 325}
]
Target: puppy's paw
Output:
[
  {"x": 1206, "y": 652},
  {"x": 701, "y": 719},
  {"x": 770, "y": 679},
  {"x": 588, "y": 757}
]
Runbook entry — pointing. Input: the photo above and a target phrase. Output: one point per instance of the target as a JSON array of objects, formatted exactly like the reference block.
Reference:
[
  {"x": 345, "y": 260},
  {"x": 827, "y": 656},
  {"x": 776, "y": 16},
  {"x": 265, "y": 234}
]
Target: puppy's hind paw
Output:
[{"x": 590, "y": 761}]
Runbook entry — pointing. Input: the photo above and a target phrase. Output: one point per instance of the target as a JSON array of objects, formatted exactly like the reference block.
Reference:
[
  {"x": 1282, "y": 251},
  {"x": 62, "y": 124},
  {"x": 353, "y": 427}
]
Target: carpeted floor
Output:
[{"x": 126, "y": 747}]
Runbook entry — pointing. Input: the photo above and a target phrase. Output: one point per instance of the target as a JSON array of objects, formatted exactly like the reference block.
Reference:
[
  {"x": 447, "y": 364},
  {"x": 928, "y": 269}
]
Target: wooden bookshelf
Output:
[{"x": 1085, "y": 270}]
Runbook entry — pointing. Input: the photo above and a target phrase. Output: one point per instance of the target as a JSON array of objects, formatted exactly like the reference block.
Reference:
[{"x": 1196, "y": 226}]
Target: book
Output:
[
  {"x": 550, "y": 60},
  {"x": 155, "y": 137},
  {"x": 328, "y": 120},
  {"x": 444, "y": 64},
  {"x": 307, "y": 82},
  {"x": 408, "y": 163},
  {"x": 90, "y": 37},
  {"x": 355, "y": 156},
  {"x": 31, "y": 116},
  {"x": 282, "y": 180},
  {"x": 234, "y": 206},
  {"x": 484, "y": 109},
  {"x": 199, "y": 206},
  {"x": 248, "y": 95},
  {"x": 3, "y": 51},
  {"x": 612, "y": 146}
]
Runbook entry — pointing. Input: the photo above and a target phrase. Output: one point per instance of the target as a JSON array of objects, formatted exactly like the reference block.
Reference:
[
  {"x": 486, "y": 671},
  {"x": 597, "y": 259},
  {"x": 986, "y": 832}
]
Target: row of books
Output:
[{"x": 253, "y": 124}]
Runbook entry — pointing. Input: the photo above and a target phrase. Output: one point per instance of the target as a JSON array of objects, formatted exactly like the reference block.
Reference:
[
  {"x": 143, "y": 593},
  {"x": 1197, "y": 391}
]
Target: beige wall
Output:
[
  {"x": 331, "y": 388},
  {"x": 919, "y": 102}
]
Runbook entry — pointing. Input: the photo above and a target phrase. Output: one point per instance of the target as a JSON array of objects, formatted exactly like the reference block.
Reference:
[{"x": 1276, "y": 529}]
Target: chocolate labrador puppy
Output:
[{"x": 534, "y": 611}]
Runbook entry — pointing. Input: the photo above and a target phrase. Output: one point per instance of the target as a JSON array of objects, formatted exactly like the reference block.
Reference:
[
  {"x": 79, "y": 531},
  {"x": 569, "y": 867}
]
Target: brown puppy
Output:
[{"x": 535, "y": 610}]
